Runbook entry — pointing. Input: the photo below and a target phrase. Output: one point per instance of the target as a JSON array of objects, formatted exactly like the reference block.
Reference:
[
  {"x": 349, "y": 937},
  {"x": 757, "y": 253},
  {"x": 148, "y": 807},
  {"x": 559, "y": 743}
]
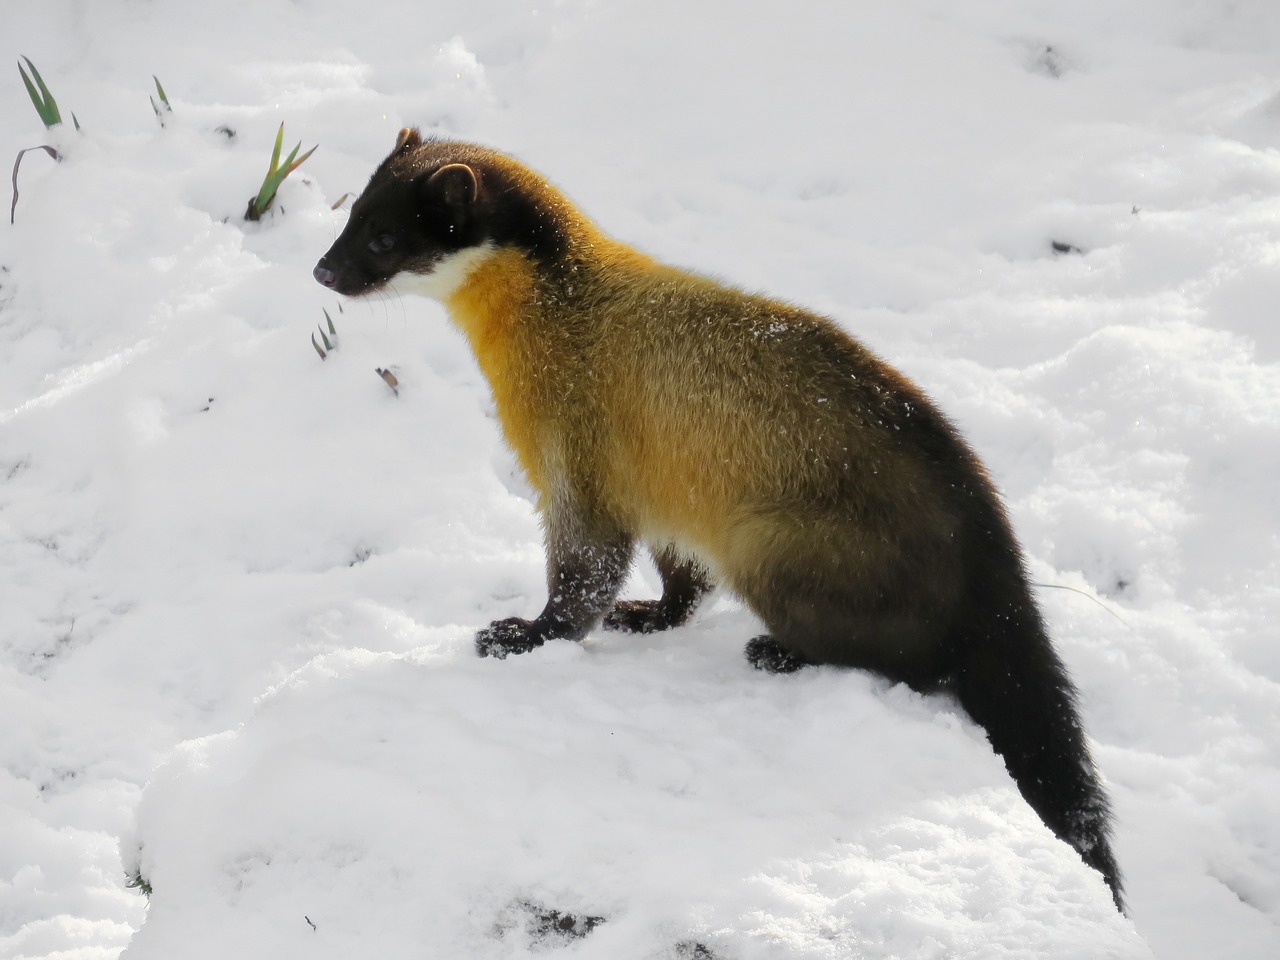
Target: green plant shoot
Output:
[
  {"x": 41, "y": 98},
  {"x": 275, "y": 176},
  {"x": 329, "y": 345},
  {"x": 168, "y": 107},
  {"x": 138, "y": 882}
]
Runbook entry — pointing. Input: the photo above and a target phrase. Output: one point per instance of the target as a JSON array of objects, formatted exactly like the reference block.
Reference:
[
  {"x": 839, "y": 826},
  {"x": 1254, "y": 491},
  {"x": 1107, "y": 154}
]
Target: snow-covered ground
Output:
[{"x": 238, "y": 585}]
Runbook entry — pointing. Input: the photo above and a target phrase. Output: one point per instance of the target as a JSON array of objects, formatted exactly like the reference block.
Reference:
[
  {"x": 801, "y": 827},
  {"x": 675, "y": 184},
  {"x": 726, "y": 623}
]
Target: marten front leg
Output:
[
  {"x": 587, "y": 560},
  {"x": 684, "y": 583}
]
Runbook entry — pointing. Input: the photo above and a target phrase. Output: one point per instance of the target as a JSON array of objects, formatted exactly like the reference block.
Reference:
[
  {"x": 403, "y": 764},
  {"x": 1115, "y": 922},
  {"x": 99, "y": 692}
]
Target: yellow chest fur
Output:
[{"x": 493, "y": 309}]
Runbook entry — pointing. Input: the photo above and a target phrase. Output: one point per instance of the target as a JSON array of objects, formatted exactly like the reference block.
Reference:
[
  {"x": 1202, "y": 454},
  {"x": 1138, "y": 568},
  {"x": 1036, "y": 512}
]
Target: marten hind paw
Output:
[
  {"x": 765, "y": 653},
  {"x": 503, "y": 637},
  {"x": 639, "y": 616}
]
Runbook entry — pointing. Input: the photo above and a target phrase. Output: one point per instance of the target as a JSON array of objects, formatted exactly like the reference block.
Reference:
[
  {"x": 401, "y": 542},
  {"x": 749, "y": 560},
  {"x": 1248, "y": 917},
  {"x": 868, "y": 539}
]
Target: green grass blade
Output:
[
  {"x": 163, "y": 96},
  {"x": 31, "y": 92},
  {"x": 275, "y": 152},
  {"x": 289, "y": 168},
  {"x": 39, "y": 79},
  {"x": 51, "y": 105},
  {"x": 43, "y": 100}
]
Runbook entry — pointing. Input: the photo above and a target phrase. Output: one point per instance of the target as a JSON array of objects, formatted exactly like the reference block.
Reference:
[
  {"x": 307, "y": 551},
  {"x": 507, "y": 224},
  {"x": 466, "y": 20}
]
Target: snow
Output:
[{"x": 238, "y": 585}]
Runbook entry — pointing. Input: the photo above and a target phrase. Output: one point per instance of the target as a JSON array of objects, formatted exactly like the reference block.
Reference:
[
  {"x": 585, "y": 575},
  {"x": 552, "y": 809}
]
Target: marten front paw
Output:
[{"x": 513, "y": 635}]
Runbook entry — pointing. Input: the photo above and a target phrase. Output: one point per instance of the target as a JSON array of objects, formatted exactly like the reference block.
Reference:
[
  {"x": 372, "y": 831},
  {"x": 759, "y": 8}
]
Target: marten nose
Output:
[{"x": 324, "y": 276}]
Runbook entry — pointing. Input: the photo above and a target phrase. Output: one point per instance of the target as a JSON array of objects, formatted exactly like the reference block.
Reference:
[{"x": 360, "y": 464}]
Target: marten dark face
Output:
[
  {"x": 432, "y": 210},
  {"x": 407, "y": 222}
]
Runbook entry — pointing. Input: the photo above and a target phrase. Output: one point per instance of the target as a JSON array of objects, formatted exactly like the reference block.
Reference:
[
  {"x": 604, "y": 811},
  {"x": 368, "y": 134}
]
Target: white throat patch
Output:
[{"x": 448, "y": 275}]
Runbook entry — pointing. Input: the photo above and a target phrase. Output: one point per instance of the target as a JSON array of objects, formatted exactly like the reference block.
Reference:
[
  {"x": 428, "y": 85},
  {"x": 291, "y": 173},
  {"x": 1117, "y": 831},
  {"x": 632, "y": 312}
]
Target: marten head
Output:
[{"x": 432, "y": 210}]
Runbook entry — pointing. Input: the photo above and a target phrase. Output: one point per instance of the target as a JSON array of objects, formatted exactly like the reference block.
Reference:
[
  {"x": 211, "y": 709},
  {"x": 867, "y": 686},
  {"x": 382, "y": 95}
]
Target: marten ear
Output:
[
  {"x": 455, "y": 188},
  {"x": 409, "y": 137}
]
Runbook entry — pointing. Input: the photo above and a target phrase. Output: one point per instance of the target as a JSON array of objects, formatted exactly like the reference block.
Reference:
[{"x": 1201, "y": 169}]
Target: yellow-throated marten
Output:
[{"x": 746, "y": 442}]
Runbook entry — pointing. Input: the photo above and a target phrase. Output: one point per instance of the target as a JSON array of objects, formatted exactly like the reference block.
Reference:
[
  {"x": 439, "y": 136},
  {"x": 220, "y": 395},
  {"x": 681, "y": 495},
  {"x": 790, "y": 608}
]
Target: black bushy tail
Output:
[{"x": 1012, "y": 683}]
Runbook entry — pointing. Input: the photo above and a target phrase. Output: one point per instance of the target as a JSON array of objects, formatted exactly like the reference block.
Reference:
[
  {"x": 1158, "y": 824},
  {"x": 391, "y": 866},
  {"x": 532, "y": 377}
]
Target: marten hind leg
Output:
[
  {"x": 903, "y": 648},
  {"x": 831, "y": 590},
  {"x": 898, "y": 634},
  {"x": 684, "y": 583}
]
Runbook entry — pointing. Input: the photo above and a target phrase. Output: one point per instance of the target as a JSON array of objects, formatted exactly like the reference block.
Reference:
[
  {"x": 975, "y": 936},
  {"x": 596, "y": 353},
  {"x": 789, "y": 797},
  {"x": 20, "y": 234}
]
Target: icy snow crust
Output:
[{"x": 238, "y": 585}]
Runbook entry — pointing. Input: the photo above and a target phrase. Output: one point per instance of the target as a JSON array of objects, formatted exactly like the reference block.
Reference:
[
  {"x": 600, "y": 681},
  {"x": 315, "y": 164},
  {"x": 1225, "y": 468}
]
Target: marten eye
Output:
[{"x": 382, "y": 243}]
